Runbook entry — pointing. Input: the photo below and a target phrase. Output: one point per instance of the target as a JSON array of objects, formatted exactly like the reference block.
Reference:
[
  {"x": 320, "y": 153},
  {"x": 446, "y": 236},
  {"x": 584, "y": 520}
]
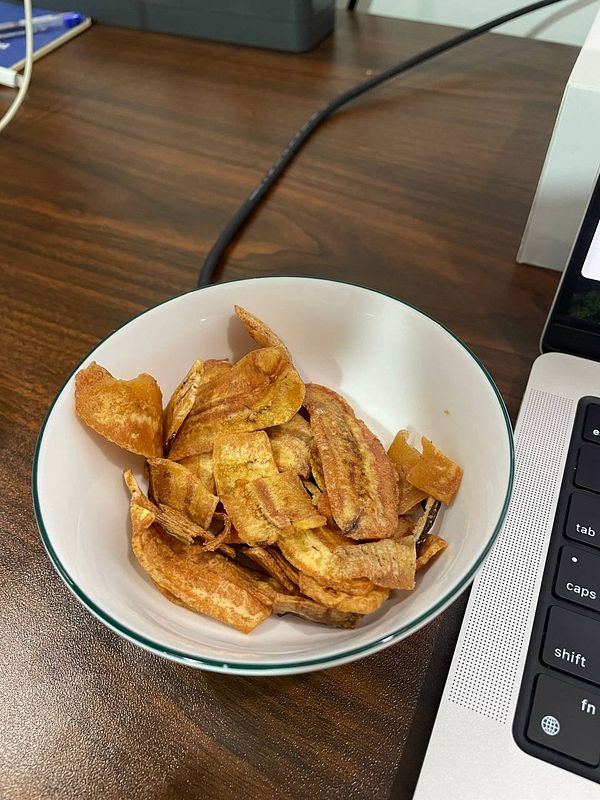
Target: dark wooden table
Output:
[{"x": 130, "y": 153}]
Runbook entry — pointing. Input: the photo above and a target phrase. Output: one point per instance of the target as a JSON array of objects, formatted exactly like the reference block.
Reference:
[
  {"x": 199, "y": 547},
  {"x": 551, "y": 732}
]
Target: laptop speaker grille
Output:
[{"x": 488, "y": 663}]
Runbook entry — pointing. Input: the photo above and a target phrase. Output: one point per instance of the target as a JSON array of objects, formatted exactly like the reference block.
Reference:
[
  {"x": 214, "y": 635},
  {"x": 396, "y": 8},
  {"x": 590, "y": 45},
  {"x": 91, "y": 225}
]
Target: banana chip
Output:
[
  {"x": 270, "y": 564},
  {"x": 404, "y": 457},
  {"x": 315, "y": 612},
  {"x": 261, "y": 333},
  {"x": 241, "y": 457},
  {"x": 261, "y": 509},
  {"x": 360, "y": 479},
  {"x": 202, "y": 467},
  {"x": 127, "y": 413},
  {"x": 291, "y": 443},
  {"x": 261, "y": 390},
  {"x": 432, "y": 545},
  {"x": 435, "y": 474},
  {"x": 182, "y": 401},
  {"x": 204, "y": 582},
  {"x": 332, "y": 598},
  {"x": 388, "y": 562},
  {"x": 176, "y": 487}
]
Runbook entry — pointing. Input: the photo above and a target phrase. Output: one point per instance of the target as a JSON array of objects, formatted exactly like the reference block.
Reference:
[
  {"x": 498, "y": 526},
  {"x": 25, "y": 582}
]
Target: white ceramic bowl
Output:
[{"x": 398, "y": 369}]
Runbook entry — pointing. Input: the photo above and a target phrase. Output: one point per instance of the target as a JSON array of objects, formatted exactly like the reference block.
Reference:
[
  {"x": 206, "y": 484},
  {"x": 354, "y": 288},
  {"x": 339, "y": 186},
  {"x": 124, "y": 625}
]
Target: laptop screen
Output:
[{"x": 574, "y": 323}]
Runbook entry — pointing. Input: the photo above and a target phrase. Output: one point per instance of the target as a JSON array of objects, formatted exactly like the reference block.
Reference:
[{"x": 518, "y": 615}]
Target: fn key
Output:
[{"x": 566, "y": 718}]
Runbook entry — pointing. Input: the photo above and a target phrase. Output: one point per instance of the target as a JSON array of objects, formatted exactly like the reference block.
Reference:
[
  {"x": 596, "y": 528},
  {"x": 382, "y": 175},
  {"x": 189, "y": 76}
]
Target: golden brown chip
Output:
[
  {"x": 182, "y": 401},
  {"x": 261, "y": 333},
  {"x": 315, "y": 612},
  {"x": 431, "y": 546},
  {"x": 316, "y": 467},
  {"x": 324, "y": 508},
  {"x": 127, "y": 413},
  {"x": 291, "y": 444},
  {"x": 435, "y": 474},
  {"x": 176, "y": 487},
  {"x": 204, "y": 582},
  {"x": 284, "y": 565},
  {"x": 261, "y": 390},
  {"x": 404, "y": 457},
  {"x": 137, "y": 496},
  {"x": 388, "y": 562},
  {"x": 271, "y": 565},
  {"x": 405, "y": 527},
  {"x": 177, "y": 524},
  {"x": 262, "y": 508},
  {"x": 313, "y": 553},
  {"x": 360, "y": 479},
  {"x": 427, "y": 519},
  {"x": 225, "y": 537},
  {"x": 215, "y": 367},
  {"x": 361, "y": 604},
  {"x": 202, "y": 467},
  {"x": 241, "y": 457},
  {"x": 409, "y": 496}
]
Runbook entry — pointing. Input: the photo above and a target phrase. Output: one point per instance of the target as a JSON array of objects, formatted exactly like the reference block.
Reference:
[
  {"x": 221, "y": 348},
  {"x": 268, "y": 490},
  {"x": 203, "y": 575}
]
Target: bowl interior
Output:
[{"x": 396, "y": 367}]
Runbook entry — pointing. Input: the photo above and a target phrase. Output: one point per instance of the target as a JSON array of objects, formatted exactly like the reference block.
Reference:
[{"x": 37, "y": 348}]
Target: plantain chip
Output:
[
  {"x": 241, "y": 457},
  {"x": 316, "y": 467},
  {"x": 203, "y": 582},
  {"x": 267, "y": 560},
  {"x": 324, "y": 508},
  {"x": 215, "y": 367},
  {"x": 291, "y": 444},
  {"x": 259, "y": 331},
  {"x": 332, "y": 598},
  {"x": 202, "y": 467},
  {"x": 390, "y": 563},
  {"x": 177, "y": 524},
  {"x": 406, "y": 527},
  {"x": 176, "y": 487},
  {"x": 315, "y": 612},
  {"x": 404, "y": 457},
  {"x": 262, "y": 508},
  {"x": 312, "y": 551},
  {"x": 127, "y": 413},
  {"x": 261, "y": 390},
  {"x": 182, "y": 401},
  {"x": 426, "y": 521},
  {"x": 431, "y": 546},
  {"x": 222, "y": 539},
  {"x": 435, "y": 474},
  {"x": 360, "y": 479}
]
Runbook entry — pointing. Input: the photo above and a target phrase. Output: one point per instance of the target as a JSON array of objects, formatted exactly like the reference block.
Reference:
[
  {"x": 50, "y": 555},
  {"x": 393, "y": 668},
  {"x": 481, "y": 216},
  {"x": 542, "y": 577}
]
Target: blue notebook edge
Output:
[{"x": 12, "y": 51}]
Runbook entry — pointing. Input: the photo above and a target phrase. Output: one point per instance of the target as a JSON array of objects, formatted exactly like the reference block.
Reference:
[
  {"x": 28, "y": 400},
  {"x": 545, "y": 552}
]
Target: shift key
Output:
[{"x": 572, "y": 644}]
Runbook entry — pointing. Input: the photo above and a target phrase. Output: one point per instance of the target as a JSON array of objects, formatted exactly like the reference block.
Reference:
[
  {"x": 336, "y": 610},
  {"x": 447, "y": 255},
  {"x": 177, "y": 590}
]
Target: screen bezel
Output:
[{"x": 565, "y": 334}]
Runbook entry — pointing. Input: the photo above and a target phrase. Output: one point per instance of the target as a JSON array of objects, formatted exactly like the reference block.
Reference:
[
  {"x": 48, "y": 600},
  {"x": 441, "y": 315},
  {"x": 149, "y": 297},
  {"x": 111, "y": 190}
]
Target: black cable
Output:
[
  {"x": 238, "y": 220},
  {"x": 351, "y": 5}
]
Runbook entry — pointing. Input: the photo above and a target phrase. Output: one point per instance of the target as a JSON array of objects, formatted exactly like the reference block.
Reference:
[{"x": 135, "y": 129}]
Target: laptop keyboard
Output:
[{"x": 557, "y": 717}]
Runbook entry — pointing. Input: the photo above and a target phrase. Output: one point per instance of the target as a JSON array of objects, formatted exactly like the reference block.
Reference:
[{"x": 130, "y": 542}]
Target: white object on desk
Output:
[{"x": 571, "y": 165}]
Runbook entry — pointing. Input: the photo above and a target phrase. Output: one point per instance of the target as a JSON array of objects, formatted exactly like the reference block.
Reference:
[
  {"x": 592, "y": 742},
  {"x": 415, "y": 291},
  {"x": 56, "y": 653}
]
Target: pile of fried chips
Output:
[{"x": 267, "y": 495}]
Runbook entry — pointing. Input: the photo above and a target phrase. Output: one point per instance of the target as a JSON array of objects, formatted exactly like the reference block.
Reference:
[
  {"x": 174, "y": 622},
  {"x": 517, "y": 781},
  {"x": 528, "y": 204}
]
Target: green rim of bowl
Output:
[{"x": 240, "y": 667}]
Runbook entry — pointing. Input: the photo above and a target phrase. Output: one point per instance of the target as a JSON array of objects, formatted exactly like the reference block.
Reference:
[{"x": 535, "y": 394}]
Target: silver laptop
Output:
[{"x": 520, "y": 713}]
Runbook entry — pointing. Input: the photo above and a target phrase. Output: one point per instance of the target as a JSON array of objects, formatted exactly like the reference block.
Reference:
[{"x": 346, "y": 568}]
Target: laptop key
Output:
[
  {"x": 566, "y": 718},
  {"x": 578, "y": 577},
  {"x": 591, "y": 426},
  {"x": 583, "y": 522},
  {"x": 587, "y": 473},
  {"x": 572, "y": 644}
]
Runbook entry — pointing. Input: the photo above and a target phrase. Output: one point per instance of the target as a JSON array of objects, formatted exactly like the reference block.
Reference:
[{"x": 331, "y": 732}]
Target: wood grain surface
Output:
[{"x": 129, "y": 155}]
